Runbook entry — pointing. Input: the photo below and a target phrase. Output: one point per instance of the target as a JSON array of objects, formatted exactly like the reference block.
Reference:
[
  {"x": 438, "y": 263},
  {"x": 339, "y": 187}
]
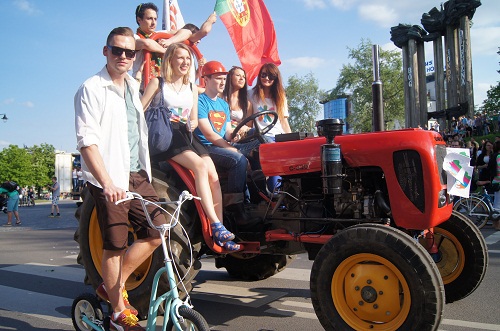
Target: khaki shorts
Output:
[{"x": 114, "y": 219}]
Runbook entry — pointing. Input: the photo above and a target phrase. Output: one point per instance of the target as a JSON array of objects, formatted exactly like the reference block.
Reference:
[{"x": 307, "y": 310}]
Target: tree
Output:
[
  {"x": 28, "y": 166},
  {"x": 492, "y": 103},
  {"x": 43, "y": 163},
  {"x": 15, "y": 163},
  {"x": 356, "y": 79},
  {"x": 303, "y": 95}
]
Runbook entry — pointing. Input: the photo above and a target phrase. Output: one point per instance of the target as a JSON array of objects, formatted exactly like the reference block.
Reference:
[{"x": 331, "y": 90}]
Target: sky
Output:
[{"x": 51, "y": 47}]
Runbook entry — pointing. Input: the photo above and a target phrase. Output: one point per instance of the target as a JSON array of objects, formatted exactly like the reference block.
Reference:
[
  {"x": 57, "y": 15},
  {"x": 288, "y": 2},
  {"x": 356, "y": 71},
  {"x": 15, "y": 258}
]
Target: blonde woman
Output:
[{"x": 182, "y": 99}]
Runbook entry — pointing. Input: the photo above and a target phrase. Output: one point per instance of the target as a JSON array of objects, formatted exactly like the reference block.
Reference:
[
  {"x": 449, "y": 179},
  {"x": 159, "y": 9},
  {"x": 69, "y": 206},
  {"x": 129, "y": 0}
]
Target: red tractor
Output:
[{"x": 370, "y": 209}]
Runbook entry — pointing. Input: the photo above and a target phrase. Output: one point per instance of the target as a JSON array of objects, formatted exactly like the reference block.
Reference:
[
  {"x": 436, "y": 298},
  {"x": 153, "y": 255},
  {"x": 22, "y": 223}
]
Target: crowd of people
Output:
[
  {"x": 112, "y": 137},
  {"x": 465, "y": 127},
  {"x": 485, "y": 158}
]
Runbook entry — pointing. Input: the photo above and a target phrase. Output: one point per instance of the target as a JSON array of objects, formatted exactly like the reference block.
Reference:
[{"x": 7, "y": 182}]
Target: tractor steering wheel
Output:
[{"x": 258, "y": 133}]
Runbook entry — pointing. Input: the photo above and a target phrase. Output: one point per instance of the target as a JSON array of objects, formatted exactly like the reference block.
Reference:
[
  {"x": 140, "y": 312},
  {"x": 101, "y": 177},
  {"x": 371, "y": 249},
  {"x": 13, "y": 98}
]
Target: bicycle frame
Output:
[{"x": 171, "y": 298}]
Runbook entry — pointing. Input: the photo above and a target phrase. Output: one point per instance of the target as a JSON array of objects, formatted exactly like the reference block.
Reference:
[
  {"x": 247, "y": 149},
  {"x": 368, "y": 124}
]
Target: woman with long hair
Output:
[
  {"x": 236, "y": 95},
  {"x": 182, "y": 100},
  {"x": 484, "y": 173},
  {"x": 269, "y": 94}
]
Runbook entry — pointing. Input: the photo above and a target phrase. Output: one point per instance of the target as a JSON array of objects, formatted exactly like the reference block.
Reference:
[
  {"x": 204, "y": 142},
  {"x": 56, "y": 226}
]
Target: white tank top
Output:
[{"x": 180, "y": 104}]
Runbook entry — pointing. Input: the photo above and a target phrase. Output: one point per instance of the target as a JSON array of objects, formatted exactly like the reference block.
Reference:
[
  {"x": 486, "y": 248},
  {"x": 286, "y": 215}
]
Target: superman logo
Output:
[{"x": 218, "y": 119}]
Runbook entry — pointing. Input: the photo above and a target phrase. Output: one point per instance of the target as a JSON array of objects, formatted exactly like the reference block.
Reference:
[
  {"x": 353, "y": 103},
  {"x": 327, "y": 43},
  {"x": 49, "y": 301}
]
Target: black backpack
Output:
[{"x": 9, "y": 185}]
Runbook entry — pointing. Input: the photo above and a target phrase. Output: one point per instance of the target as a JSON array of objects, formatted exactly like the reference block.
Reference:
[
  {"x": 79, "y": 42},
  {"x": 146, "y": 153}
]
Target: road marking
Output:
[
  {"x": 35, "y": 304},
  {"x": 493, "y": 238},
  {"x": 235, "y": 295},
  {"x": 288, "y": 273},
  {"x": 292, "y": 313},
  {"x": 473, "y": 325},
  {"x": 47, "y": 270},
  {"x": 307, "y": 305}
]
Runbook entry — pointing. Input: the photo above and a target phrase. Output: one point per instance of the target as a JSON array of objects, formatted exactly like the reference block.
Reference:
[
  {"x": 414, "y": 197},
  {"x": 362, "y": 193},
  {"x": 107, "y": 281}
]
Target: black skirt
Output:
[{"x": 182, "y": 140}]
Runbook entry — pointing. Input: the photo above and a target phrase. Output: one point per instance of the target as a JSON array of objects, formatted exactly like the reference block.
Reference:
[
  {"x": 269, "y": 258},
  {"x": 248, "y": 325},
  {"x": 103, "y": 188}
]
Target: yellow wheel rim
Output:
[
  {"x": 95, "y": 244},
  {"x": 370, "y": 293},
  {"x": 451, "y": 261}
]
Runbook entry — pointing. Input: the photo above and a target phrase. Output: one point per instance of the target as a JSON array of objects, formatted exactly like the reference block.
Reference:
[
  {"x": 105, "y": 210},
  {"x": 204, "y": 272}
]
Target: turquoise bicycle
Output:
[{"x": 87, "y": 313}]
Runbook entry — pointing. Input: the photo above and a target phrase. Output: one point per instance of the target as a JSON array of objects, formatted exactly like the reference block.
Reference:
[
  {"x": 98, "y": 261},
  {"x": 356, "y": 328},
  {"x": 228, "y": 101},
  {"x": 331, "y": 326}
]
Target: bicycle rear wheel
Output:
[{"x": 475, "y": 209}]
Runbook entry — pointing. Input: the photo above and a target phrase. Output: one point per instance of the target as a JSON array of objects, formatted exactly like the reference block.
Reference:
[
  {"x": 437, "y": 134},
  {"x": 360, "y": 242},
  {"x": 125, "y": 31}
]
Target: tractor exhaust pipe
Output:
[
  {"x": 331, "y": 158},
  {"x": 377, "y": 100}
]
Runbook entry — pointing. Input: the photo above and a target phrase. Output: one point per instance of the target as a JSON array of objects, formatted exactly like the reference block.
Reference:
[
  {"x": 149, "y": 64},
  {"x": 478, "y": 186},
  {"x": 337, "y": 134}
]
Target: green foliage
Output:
[
  {"x": 28, "y": 166},
  {"x": 491, "y": 105},
  {"x": 303, "y": 95},
  {"x": 356, "y": 79}
]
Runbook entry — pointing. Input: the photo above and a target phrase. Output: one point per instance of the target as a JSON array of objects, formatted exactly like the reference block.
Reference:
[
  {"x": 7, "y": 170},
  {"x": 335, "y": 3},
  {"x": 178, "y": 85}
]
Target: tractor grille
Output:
[
  {"x": 408, "y": 168},
  {"x": 440, "y": 154}
]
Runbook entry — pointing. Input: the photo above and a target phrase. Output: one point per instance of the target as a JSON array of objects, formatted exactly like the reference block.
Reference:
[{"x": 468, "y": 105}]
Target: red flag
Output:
[
  {"x": 172, "y": 16},
  {"x": 252, "y": 32}
]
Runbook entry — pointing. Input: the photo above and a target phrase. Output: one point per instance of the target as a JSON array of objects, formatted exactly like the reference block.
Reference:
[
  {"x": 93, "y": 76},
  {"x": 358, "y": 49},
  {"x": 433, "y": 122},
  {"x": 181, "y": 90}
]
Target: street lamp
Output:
[{"x": 4, "y": 117}]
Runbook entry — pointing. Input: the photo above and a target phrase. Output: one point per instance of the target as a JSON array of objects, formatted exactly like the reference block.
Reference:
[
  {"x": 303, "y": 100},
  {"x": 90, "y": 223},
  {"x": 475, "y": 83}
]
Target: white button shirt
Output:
[{"x": 101, "y": 120}]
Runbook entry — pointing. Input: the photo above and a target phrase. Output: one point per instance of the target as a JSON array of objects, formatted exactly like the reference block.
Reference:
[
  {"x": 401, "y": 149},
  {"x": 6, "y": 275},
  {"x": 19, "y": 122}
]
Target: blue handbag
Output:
[{"x": 159, "y": 126}]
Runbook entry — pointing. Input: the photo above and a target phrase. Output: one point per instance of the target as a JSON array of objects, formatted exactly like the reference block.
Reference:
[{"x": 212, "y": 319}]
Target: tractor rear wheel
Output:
[
  {"x": 462, "y": 257},
  {"x": 373, "y": 277},
  {"x": 253, "y": 267}
]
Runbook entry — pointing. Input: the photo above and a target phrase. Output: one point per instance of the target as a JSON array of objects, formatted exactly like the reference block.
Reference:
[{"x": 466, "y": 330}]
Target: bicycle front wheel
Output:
[
  {"x": 475, "y": 209},
  {"x": 192, "y": 321}
]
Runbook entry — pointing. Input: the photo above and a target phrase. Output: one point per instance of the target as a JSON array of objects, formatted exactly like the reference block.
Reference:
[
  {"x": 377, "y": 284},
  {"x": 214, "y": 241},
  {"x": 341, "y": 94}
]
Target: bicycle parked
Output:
[
  {"x": 478, "y": 207},
  {"x": 87, "y": 313}
]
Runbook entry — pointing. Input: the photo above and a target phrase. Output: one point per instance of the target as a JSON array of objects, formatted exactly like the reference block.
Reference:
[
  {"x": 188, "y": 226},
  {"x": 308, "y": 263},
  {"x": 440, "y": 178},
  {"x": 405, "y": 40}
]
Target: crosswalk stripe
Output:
[
  {"x": 492, "y": 238},
  {"x": 288, "y": 273},
  {"x": 35, "y": 304},
  {"x": 291, "y": 313},
  {"x": 47, "y": 270},
  {"x": 472, "y": 325},
  {"x": 307, "y": 305},
  {"x": 234, "y": 295}
]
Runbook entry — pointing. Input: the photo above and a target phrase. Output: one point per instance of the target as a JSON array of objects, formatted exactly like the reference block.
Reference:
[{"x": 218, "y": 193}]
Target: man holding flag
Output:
[{"x": 146, "y": 16}]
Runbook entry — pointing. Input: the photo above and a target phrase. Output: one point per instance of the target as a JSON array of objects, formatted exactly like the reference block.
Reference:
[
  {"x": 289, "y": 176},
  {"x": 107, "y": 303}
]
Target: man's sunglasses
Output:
[
  {"x": 268, "y": 75},
  {"x": 118, "y": 51}
]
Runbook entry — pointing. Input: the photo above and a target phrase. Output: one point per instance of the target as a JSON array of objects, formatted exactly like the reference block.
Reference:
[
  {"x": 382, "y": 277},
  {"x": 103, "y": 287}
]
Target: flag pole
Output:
[{"x": 164, "y": 14}]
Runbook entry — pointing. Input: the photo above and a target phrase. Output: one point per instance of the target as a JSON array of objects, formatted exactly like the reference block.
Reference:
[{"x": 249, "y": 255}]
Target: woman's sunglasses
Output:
[
  {"x": 118, "y": 51},
  {"x": 268, "y": 75}
]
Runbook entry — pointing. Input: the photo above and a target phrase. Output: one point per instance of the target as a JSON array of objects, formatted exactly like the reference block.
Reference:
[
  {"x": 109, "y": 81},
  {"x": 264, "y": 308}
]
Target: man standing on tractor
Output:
[{"x": 112, "y": 138}]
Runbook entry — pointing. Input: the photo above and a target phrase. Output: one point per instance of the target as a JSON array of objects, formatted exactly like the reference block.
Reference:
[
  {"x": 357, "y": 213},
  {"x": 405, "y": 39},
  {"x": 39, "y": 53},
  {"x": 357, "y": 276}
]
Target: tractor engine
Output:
[{"x": 334, "y": 181}]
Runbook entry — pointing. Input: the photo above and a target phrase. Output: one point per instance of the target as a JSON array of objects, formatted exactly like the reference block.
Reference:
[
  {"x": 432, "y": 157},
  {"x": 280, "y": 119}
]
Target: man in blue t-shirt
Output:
[{"x": 214, "y": 130}]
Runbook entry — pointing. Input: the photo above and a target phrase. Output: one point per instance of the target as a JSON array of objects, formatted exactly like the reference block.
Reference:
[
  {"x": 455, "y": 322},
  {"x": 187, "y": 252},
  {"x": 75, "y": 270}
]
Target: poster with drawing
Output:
[{"x": 457, "y": 165}]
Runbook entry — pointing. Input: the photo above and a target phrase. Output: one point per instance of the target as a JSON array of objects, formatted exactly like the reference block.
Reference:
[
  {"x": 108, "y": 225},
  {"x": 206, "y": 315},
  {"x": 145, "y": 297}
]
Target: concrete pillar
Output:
[
  {"x": 452, "y": 83},
  {"x": 439, "y": 78},
  {"x": 407, "y": 82},
  {"x": 466, "y": 81},
  {"x": 422, "y": 86},
  {"x": 413, "y": 84}
]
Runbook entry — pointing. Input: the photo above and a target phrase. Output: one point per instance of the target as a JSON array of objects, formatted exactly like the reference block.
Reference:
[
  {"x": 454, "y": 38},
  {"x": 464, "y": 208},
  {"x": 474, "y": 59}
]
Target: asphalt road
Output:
[{"x": 39, "y": 278}]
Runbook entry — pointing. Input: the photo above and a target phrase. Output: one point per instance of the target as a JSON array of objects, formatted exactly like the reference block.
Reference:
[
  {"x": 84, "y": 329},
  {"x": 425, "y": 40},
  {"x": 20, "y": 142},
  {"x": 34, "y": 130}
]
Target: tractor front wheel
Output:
[{"x": 373, "y": 277}]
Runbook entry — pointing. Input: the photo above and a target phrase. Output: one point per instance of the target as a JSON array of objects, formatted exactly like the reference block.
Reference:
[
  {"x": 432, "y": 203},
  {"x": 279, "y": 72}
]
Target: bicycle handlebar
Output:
[{"x": 183, "y": 197}]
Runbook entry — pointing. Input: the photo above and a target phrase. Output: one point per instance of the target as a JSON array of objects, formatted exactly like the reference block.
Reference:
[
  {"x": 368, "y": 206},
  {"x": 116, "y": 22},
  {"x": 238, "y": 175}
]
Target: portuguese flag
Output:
[{"x": 252, "y": 31}]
